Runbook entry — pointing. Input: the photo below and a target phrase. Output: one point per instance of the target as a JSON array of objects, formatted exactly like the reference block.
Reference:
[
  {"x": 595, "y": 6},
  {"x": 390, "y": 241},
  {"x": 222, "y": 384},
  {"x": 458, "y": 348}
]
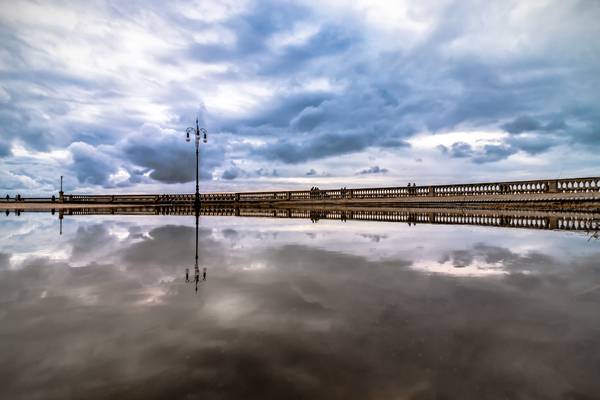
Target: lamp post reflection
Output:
[
  {"x": 196, "y": 278},
  {"x": 196, "y": 269}
]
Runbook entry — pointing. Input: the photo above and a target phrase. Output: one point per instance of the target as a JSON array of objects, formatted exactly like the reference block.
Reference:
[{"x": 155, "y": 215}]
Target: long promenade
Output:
[{"x": 549, "y": 193}]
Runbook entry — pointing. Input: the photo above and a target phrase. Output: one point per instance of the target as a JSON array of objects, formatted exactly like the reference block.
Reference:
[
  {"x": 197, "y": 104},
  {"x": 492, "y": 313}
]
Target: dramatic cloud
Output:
[
  {"x": 90, "y": 165},
  {"x": 290, "y": 86},
  {"x": 322, "y": 146},
  {"x": 169, "y": 158}
]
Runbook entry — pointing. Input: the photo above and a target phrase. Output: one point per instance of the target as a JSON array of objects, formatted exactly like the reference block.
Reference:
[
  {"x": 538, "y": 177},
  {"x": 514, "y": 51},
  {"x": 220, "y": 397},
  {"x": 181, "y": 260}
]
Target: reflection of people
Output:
[
  {"x": 187, "y": 274},
  {"x": 204, "y": 274},
  {"x": 197, "y": 278}
]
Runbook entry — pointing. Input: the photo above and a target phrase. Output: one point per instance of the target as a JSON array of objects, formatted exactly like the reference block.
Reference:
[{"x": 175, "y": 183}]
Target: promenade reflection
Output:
[
  {"x": 508, "y": 218},
  {"x": 337, "y": 308}
]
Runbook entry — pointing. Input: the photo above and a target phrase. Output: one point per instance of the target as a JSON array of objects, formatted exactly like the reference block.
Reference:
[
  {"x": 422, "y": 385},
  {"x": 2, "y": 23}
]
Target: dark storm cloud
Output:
[
  {"x": 90, "y": 165},
  {"x": 163, "y": 156},
  {"x": 168, "y": 156},
  {"x": 172, "y": 163},
  {"x": 320, "y": 146}
]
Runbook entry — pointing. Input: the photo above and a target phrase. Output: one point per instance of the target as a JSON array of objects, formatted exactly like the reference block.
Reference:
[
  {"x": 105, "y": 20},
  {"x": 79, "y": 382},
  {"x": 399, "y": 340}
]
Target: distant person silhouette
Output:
[
  {"x": 187, "y": 274},
  {"x": 204, "y": 274}
]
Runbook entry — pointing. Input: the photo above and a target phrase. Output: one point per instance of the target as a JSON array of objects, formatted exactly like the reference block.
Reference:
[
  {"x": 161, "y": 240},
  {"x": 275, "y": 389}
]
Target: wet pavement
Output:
[{"x": 294, "y": 308}]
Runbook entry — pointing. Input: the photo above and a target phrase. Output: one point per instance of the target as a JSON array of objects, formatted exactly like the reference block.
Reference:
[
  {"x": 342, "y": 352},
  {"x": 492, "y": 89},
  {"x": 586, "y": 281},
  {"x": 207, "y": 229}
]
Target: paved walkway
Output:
[{"x": 494, "y": 198}]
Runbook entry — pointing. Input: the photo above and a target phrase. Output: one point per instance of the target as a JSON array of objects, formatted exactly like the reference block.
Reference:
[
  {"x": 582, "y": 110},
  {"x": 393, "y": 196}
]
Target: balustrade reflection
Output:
[{"x": 557, "y": 220}]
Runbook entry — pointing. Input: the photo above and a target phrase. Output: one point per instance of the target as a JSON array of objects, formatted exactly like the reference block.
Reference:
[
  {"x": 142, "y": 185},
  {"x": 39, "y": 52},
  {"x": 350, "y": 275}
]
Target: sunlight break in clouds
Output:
[{"x": 425, "y": 90}]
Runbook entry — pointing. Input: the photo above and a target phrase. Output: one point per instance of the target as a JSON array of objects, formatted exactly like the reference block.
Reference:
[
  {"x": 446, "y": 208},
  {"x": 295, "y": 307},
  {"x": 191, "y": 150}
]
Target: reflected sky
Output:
[{"x": 294, "y": 309}]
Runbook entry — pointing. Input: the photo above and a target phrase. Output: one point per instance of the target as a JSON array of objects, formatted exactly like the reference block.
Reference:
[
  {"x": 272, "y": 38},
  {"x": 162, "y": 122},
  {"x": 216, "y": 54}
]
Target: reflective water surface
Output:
[{"x": 293, "y": 308}]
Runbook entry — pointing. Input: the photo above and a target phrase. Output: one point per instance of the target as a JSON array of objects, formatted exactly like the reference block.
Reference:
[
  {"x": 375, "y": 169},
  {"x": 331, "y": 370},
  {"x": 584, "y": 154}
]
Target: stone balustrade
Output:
[{"x": 482, "y": 190}]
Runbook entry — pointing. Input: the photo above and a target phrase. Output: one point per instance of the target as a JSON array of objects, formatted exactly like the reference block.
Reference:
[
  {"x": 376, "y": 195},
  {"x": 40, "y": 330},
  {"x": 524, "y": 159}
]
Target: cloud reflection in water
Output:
[{"x": 287, "y": 315}]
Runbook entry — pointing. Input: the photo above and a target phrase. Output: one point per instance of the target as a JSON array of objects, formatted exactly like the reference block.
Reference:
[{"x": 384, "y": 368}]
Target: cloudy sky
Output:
[{"x": 296, "y": 94}]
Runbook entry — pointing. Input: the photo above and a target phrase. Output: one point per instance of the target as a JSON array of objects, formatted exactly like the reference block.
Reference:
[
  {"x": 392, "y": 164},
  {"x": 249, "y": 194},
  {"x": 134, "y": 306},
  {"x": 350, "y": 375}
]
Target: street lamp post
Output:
[
  {"x": 197, "y": 131},
  {"x": 61, "y": 194}
]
